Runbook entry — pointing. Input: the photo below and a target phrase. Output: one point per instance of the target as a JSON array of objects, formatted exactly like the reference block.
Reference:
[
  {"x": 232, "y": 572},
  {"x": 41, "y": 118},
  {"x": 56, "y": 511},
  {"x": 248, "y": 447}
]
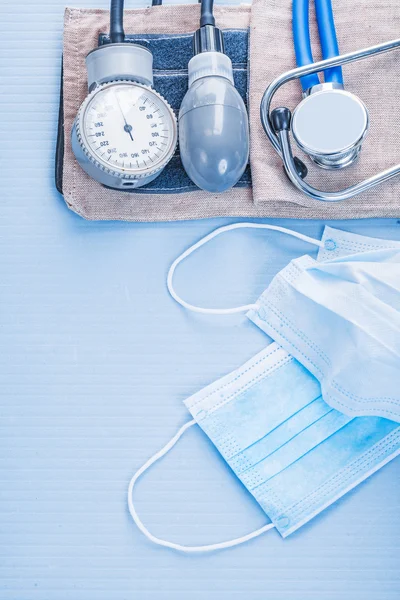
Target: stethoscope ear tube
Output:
[
  {"x": 302, "y": 41},
  {"x": 327, "y": 36},
  {"x": 280, "y": 138},
  {"x": 328, "y": 39}
]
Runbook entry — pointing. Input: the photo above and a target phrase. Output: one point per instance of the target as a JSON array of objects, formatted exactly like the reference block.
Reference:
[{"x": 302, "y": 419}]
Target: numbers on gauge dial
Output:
[{"x": 128, "y": 127}]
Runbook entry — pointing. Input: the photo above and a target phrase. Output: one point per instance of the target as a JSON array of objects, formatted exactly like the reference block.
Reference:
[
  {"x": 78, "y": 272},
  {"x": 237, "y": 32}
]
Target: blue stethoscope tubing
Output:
[{"x": 327, "y": 36}]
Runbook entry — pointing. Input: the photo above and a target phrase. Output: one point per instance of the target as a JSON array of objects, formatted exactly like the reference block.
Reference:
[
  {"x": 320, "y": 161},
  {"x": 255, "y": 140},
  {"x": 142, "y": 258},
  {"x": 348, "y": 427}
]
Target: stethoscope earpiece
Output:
[{"x": 281, "y": 119}]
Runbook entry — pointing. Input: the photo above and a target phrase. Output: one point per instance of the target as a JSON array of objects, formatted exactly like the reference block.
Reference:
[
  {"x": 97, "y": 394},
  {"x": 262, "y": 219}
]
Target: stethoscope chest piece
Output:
[{"x": 330, "y": 125}]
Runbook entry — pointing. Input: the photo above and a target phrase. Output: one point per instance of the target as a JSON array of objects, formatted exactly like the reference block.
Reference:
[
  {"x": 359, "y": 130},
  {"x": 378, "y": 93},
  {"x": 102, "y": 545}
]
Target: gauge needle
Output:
[{"x": 128, "y": 128}]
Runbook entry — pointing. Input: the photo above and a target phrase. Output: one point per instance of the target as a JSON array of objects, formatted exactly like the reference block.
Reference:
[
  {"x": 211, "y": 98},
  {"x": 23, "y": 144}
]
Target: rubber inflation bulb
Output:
[{"x": 213, "y": 125}]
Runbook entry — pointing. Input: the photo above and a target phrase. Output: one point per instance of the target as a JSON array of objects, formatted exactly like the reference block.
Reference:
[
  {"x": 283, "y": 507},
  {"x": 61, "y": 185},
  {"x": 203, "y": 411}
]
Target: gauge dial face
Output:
[{"x": 129, "y": 128}]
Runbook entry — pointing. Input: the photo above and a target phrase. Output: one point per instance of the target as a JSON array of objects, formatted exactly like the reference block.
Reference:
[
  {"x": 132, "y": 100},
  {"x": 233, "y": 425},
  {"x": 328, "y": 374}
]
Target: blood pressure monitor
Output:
[{"x": 125, "y": 132}]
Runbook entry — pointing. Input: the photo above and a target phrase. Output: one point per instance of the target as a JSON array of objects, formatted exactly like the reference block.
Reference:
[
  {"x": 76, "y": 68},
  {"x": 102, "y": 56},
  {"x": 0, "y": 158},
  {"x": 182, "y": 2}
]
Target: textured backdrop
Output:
[{"x": 95, "y": 361}]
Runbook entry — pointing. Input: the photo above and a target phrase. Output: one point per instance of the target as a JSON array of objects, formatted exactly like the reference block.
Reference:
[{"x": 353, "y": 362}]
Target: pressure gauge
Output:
[{"x": 125, "y": 132}]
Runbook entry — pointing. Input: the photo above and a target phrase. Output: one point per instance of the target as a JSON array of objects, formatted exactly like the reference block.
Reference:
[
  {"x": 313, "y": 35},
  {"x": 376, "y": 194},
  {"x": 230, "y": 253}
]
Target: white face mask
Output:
[
  {"x": 269, "y": 419},
  {"x": 339, "y": 316}
]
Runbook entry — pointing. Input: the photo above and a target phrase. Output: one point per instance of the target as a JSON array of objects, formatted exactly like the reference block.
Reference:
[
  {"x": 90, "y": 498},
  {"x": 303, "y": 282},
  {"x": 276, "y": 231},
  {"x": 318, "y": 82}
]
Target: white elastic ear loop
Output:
[
  {"x": 157, "y": 540},
  {"x": 205, "y": 240}
]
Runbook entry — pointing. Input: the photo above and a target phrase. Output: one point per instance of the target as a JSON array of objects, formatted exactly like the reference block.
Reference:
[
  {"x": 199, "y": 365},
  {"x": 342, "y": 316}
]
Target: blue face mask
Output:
[{"x": 294, "y": 452}]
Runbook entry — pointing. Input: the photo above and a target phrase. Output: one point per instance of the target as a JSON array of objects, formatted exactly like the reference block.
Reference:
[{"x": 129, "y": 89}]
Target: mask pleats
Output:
[
  {"x": 255, "y": 413},
  {"x": 327, "y": 462},
  {"x": 281, "y": 435},
  {"x": 309, "y": 438}
]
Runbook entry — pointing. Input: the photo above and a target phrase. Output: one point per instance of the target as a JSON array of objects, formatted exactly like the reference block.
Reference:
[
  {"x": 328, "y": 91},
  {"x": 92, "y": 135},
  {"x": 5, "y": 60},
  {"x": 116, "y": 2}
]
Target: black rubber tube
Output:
[
  {"x": 207, "y": 17},
  {"x": 117, "y": 34}
]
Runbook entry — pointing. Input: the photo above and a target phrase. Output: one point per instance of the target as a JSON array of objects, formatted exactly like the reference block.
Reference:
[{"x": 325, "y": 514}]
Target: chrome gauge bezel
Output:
[{"x": 124, "y": 174}]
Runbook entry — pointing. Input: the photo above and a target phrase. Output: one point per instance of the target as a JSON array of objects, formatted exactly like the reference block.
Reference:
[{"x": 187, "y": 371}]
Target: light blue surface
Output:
[{"x": 95, "y": 362}]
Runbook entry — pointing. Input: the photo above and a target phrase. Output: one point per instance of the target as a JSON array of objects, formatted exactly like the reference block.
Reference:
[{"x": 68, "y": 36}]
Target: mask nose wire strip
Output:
[
  {"x": 158, "y": 541},
  {"x": 208, "y": 238}
]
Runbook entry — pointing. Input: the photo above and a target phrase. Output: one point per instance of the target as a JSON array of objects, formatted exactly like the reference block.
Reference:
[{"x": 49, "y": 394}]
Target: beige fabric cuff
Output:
[{"x": 359, "y": 23}]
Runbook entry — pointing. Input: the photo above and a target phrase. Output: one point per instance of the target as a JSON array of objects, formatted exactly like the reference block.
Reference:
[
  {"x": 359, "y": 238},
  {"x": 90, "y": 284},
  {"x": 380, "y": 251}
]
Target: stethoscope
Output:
[
  {"x": 330, "y": 123},
  {"x": 126, "y": 133}
]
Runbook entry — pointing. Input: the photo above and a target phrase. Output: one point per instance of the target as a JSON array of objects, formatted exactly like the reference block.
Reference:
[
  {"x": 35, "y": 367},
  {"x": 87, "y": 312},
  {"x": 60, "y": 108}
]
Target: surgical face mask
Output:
[
  {"x": 341, "y": 319},
  {"x": 294, "y": 452},
  {"x": 339, "y": 316}
]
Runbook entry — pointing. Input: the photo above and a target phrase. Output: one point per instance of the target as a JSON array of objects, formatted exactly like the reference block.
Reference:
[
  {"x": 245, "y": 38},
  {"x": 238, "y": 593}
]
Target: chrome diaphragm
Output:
[{"x": 330, "y": 125}]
